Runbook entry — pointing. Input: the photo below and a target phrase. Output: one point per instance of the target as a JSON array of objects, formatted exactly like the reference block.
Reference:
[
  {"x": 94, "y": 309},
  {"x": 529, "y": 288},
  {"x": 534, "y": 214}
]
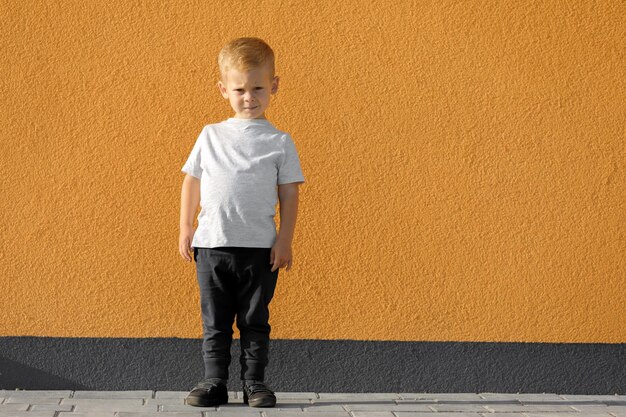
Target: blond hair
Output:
[{"x": 245, "y": 54}]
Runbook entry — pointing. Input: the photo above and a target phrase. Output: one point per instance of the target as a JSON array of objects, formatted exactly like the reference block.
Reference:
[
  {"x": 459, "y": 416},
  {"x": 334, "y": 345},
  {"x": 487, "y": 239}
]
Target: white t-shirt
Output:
[{"x": 239, "y": 163}]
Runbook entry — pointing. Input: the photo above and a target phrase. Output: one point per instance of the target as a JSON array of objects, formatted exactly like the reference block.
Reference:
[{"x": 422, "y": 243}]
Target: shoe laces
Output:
[
  {"x": 258, "y": 387},
  {"x": 207, "y": 384}
]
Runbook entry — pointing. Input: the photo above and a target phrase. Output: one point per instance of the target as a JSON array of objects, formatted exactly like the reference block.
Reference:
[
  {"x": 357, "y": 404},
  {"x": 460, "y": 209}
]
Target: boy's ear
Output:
[
  {"x": 222, "y": 89},
  {"x": 275, "y": 84}
]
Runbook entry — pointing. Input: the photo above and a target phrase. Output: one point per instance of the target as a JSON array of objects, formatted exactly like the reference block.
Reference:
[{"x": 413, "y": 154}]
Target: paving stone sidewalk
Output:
[{"x": 308, "y": 404}]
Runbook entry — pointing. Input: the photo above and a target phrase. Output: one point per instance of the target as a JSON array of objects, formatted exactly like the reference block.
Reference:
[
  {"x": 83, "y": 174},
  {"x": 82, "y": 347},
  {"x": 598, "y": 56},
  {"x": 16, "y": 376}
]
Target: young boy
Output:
[{"x": 233, "y": 172}]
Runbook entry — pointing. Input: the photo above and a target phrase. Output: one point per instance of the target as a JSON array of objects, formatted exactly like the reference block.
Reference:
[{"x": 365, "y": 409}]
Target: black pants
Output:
[{"x": 235, "y": 281}]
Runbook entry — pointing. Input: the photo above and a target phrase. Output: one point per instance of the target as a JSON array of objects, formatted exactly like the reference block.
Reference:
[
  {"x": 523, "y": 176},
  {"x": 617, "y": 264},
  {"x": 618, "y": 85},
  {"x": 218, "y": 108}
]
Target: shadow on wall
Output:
[
  {"x": 53, "y": 363},
  {"x": 14, "y": 375}
]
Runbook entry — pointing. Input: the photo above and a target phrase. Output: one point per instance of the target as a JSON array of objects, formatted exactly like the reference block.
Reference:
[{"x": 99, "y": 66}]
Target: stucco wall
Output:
[{"x": 464, "y": 166}]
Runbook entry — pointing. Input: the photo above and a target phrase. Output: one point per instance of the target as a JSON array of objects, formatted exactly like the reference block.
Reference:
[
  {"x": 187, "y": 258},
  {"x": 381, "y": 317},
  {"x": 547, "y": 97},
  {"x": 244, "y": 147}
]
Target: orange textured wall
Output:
[{"x": 464, "y": 165}]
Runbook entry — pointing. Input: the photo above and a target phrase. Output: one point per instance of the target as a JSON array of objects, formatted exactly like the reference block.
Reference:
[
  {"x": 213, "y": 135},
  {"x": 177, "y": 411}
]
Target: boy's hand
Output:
[
  {"x": 184, "y": 242},
  {"x": 280, "y": 255}
]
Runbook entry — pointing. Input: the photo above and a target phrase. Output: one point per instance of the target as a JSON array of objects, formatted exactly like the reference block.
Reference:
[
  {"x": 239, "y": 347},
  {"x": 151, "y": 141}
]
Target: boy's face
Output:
[{"x": 249, "y": 92}]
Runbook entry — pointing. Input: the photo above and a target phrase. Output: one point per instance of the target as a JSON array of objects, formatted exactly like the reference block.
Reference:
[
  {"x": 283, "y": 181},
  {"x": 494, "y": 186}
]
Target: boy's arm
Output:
[
  {"x": 288, "y": 197},
  {"x": 189, "y": 200}
]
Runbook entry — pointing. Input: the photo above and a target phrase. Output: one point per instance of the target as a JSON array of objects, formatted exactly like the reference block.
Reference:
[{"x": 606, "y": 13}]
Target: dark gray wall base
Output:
[{"x": 318, "y": 365}]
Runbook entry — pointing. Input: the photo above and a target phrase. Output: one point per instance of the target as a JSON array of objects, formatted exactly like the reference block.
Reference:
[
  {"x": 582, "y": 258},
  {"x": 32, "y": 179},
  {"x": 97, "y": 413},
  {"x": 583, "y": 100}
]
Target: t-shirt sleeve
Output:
[
  {"x": 289, "y": 169},
  {"x": 193, "y": 166}
]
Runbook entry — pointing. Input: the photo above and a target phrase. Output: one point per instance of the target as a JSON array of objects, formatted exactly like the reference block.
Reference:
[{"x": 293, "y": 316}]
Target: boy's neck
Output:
[
  {"x": 248, "y": 121},
  {"x": 237, "y": 116},
  {"x": 249, "y": 118}
]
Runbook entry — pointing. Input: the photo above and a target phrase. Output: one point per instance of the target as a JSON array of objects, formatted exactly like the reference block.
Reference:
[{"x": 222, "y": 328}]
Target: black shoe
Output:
[
  {"x": 258, "y": 395},
  {"x": 207, "y": 394}
]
